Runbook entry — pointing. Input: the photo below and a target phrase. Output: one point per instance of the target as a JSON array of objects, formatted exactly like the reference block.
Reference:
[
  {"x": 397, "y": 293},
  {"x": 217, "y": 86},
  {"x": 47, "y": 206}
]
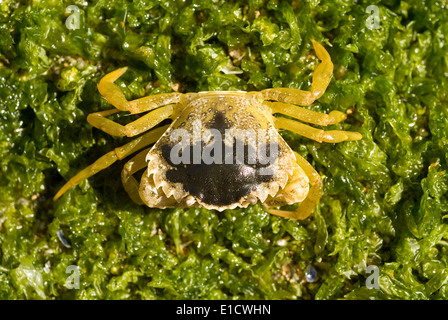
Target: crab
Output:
[{"x": 213, "y": 154}]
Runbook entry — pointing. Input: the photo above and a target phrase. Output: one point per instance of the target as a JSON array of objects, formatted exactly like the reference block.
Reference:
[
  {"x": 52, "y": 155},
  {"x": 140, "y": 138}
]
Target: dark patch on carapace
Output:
[
  {"x": 223, "y": 182},
  {"x": 219, "y": 122}
]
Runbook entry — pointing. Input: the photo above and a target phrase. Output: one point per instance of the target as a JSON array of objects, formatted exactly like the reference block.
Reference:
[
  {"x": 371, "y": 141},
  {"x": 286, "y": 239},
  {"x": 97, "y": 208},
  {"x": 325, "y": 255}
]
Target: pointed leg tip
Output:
[
  {"x": 337, "y": 116},
  {"x": 122, "y": 70},
  {"x": 357, "y": 136},
  {"x": 58, "y": 195}
]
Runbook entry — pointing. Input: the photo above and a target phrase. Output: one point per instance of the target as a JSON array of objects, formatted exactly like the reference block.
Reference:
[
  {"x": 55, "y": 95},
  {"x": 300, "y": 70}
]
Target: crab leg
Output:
[
  {"x": 321, "y": 78},
  {"x": 307, "y": 206},
  {"x": 131, "y": 184},
  {"x": 110, "y": 90},
  {"x": 153, "y": 102},
  {"x": 115, "y": 96},
  {"x": 144, "y": 123},
  {"x": 112, "y": 156},
  {"x": 306, "y": 115},
  {"x": 332, "y": 136}
]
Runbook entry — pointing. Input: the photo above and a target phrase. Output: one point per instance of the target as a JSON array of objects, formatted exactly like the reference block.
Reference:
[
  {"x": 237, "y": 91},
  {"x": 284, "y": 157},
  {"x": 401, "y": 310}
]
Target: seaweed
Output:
[{"x": 385, "y": 201}]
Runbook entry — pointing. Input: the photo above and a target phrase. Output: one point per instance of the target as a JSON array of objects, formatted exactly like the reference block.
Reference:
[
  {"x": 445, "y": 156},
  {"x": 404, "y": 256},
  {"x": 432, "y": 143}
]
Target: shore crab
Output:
[{"x": 214, "y": 152}]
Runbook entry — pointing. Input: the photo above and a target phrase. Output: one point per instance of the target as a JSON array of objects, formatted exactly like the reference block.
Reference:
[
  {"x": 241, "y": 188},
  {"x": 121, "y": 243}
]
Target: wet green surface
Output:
[{"x": 385, "y": 197}]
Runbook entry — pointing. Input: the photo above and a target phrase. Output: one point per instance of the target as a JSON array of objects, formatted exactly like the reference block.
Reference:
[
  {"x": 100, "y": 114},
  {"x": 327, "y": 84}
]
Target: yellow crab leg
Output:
[
  {"x": 332, "y": 136},
  {"x": 131, "y": 184},
  {"x": 323, "y": 72},
  {"x": 112, "y": 156},
  {"x": 306, "y": 115},
  {"x": 115, "y": 96},
  {"x": 153, "y": 102},
  {"x": 144, "y": 123},
  {"x": 111, "y": 91},
  {"x": 321, "y": 78},
  {"x": 307, "y": 206}
]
